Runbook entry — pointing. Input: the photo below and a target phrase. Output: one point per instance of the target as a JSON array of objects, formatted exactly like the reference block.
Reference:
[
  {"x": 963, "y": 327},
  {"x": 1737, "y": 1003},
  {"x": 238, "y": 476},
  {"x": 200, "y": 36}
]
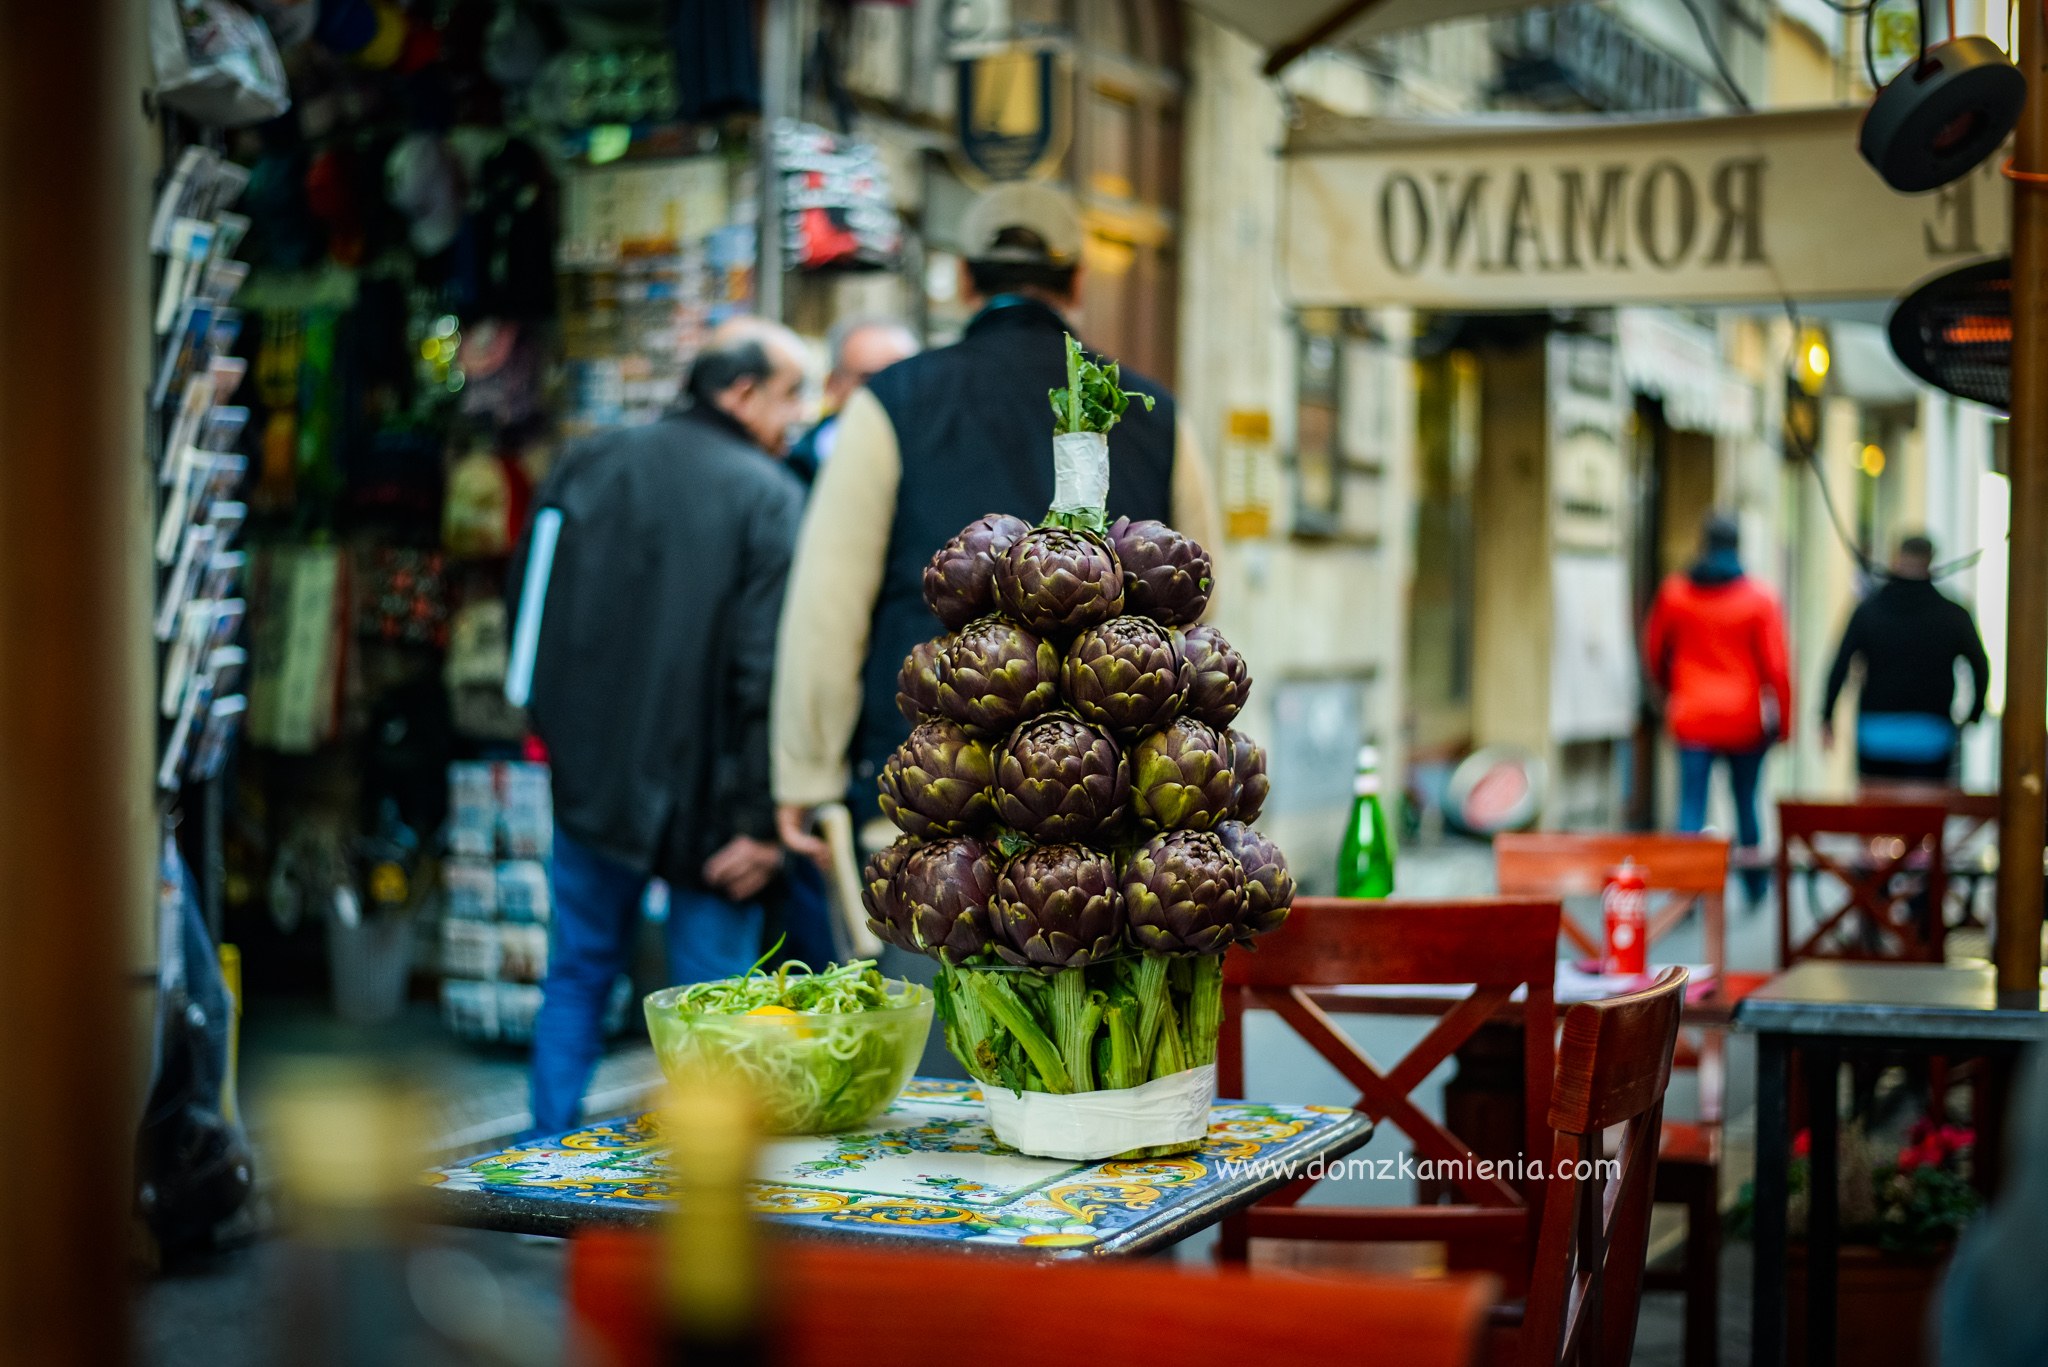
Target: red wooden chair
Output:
[
  {"x": 1494, "y": 946},
  {"x": 844, "y": 1307},
  {"x": 1613, "y": 1064},
  {"x": 1683, "y": 873},
  {"x": 1969, "y": 845},
  {"x": 1888, "y": 859}
]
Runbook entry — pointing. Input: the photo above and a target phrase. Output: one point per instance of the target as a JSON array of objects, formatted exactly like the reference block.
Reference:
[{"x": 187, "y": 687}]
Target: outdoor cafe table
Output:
[
  {"x": 1710, "y": 999},
  {"x": 929, "y": 1170},
  {"x": 1822, "y": 1009}
]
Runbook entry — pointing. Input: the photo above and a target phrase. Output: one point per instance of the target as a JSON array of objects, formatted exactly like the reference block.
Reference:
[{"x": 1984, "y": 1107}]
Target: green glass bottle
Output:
[{"x": 1365, "y": 865}]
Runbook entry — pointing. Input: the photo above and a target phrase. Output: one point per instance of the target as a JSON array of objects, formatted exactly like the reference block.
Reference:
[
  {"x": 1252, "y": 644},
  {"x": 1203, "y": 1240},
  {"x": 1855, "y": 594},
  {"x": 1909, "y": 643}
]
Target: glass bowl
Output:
[{"x": 811, "y": 1072}]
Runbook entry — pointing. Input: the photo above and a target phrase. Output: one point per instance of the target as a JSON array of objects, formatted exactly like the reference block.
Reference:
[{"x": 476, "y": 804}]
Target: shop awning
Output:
[
  {"x": 1513, "y": 212},
  {"x": 1679, "y": 361},
  {"x": 1288, "y": 28}
]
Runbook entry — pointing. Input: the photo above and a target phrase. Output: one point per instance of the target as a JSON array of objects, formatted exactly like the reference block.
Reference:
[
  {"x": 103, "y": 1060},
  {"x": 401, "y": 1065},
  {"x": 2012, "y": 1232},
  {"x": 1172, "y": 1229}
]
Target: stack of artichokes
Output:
[{"x": 1076, "y": 806}]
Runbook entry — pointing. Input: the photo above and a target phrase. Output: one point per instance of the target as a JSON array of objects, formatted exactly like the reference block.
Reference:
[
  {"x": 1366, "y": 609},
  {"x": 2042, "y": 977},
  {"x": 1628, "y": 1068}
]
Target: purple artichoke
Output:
[
  {"x": 917, "y": 683},
  {"x": 887, "y": 916},
  {"x": 1248, "y": 782},
  {"x": 1268, "y": 886},
  {"x": 1167, "y": 576},
  {"x": 958, "y": 583},
  {"x": 1220, "y": 682},
  {"x": 937, "y": 782},
  {"x": 996, "y": 674},
  {"x": 1057, "y": 906},
  {"x": 1126, "y": 674},
  {"x": 1182, "y": 894},
  {"x": 1058, "y": 778},
  {"x": 1180, "y": 777},
  {"x": 1057, "y": 581},
  {"x": 946, "y": 887}
]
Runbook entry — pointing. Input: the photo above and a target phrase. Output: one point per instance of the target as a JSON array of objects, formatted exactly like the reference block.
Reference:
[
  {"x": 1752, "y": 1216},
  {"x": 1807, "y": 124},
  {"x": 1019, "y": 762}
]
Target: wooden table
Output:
[
  {"x": 1824, "y": 1009},
  {"x": 928, "y": 1171},
  {"x": 1709, "y": 1000}
]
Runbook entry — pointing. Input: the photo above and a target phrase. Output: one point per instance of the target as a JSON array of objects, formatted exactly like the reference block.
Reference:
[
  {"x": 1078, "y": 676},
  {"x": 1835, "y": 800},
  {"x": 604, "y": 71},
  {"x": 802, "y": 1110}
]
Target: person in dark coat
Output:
[
  {"x": 930, "y": 444},
  {"x": 651, "y": 585},
  {"x": 1909, "y": 635}
]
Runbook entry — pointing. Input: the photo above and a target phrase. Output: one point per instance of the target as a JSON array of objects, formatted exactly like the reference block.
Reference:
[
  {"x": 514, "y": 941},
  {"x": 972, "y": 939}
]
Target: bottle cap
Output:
[{"x": 1368, "y": 758}]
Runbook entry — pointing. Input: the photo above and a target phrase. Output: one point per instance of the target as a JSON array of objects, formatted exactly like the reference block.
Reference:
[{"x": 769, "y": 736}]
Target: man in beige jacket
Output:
[{"x": 931, "y": 444}]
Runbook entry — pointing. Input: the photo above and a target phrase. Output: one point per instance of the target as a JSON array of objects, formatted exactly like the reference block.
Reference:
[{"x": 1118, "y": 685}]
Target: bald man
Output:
[
  {"x": 861, "y": 348},
  {"x": 649, "y": 589}
]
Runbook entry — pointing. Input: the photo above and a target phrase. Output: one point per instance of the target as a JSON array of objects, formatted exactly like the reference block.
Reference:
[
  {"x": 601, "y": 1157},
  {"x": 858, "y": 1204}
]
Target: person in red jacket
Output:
[{"x": 1715, "y": 646}]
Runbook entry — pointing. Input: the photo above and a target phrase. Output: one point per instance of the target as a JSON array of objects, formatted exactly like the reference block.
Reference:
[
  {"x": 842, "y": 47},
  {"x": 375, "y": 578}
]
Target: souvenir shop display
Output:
[
  {"x": 198, "y": 606},
  {"x": 837, "y": 210}
]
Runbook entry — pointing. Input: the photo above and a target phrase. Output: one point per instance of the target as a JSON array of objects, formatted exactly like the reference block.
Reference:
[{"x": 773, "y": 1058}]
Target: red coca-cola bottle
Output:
[{"x": 1624, "y": 903}]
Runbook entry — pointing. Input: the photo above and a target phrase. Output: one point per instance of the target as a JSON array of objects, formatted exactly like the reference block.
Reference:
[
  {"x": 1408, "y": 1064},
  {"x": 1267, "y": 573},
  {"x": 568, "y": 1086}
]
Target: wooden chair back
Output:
[
  {"x": 1890, "y": 861},
  {"x": 1683, "y": 872},
  {"x": 1613, "y": 1064},
  {"x": 1496, "y": 947},
  {"x": 848, "y": 1307},
  {"x": 1969, "y": 846}
]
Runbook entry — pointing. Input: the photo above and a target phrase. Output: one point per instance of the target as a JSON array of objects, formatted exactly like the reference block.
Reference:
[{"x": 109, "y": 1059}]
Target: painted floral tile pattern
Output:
[{"x": 928, "y": 1168}]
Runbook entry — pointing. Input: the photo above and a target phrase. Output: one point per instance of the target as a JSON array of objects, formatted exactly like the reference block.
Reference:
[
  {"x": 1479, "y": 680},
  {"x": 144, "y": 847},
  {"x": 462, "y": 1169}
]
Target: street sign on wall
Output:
[
  {"x": 1527, "y": 213},
  {"x": 1009, "y": 123}
]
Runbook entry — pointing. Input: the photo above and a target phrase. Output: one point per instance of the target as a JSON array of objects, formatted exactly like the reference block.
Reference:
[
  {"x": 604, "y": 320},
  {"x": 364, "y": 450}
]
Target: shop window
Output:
[{"x": 1343, "y": 374}]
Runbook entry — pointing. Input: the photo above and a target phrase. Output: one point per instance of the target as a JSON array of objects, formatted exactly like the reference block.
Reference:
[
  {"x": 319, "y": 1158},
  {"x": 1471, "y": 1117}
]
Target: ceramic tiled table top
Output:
[{"x": 927, "y": 1169}]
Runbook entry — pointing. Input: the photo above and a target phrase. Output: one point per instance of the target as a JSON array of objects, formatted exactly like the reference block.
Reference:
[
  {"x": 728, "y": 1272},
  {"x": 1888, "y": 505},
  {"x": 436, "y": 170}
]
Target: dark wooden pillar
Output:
[
  {"x": 74, "y": 662},
  {"x": 2023, "y": 803}
]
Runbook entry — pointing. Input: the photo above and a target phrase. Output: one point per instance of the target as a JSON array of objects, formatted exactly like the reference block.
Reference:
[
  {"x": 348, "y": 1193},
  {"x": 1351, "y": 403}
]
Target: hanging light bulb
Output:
[{"x": 1814, "y": 359}]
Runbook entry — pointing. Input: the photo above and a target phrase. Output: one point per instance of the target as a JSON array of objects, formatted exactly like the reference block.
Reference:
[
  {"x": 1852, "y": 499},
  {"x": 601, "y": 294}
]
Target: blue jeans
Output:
[
  {"x": 597, "y": 903},
  {"x": 1745, "y": 769},
  {"x": 806, "y": 915}
]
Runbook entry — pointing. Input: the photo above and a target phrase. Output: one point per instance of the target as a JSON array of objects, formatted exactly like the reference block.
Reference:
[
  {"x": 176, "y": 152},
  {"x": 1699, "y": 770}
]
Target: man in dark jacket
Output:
[
  {"x": 653, "y": 580},
  {"x": 929, "y": 445},
  {"x": 1909, "y": 637}
]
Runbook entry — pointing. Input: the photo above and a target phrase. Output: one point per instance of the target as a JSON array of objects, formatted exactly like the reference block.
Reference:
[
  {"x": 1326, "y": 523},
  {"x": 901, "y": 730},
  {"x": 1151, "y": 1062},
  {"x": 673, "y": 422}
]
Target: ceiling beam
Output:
[{"x": 1317, "y": 33}]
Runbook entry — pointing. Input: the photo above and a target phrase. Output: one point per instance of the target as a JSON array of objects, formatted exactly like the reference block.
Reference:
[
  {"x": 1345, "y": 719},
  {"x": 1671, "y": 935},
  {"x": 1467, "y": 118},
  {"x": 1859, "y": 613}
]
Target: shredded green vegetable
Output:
[
  {"x": 842, "y": 988},
  {"x": 806, "y": 1043}
]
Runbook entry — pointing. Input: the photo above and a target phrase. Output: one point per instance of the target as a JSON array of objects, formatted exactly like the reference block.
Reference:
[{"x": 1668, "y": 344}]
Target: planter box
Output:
[{"x": 1881, "y": 1306}]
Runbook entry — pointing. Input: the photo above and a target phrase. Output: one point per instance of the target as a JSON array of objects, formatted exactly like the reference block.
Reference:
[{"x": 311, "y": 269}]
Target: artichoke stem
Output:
[
  {"x": 1125, "y": 1067},
  {"x": 1170, "y": 1058},
  {"x": 942, "y": 1007},
  {"x": 1150, "y": 987},
  {"x": 1078, "y": 520},
  {"x": 1205, "y": 1007},
  {"x": 970, "y": 1020},
  {"x": 1076, "y": 1016},
  {"x": 1010, "y": 1013}
]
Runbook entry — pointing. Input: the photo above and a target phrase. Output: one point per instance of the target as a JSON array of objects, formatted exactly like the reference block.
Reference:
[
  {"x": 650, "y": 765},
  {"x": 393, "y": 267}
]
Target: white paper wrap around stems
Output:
[
  {"x": 1080, "y": 471},
  {"x": 1170, "y": 1110}
]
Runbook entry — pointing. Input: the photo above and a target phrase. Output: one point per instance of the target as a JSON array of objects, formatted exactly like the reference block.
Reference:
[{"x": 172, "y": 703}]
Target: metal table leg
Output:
[
  {"x": 1773, "y": 1143},
  {"x": 1823, "y": 1069}
]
